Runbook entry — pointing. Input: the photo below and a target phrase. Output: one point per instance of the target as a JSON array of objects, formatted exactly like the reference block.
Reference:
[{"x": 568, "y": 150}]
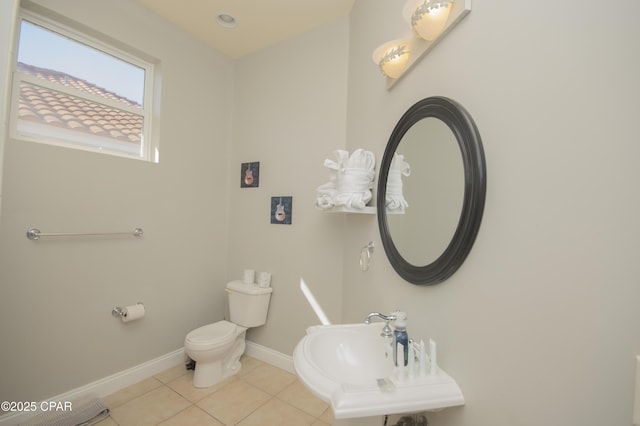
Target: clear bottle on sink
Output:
[{"x": 400, "y": 340}]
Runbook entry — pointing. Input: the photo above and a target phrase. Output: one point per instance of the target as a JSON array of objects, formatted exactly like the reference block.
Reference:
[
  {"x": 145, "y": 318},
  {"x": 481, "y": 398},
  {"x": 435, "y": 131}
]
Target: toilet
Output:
[{"x": 216, "y": 348}]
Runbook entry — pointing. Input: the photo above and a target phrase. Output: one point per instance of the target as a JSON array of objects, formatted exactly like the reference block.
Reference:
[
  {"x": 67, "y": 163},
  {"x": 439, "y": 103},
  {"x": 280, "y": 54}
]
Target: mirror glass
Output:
[
  {"x": 434, "y": 191},
  {"x": 433, "y": 185}
]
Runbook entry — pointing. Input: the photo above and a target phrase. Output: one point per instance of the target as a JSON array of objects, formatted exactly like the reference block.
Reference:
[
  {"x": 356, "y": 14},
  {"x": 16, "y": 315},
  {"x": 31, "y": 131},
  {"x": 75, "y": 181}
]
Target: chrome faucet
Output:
[{"x": 386, "y": 330}]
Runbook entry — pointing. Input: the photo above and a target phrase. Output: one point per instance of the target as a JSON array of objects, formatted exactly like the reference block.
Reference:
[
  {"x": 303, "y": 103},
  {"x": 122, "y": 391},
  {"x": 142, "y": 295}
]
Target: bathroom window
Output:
[{"x": 74, "y": 90}]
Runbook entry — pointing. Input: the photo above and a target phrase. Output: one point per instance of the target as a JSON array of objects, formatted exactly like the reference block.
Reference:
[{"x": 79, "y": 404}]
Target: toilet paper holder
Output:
[{"x": 119, "y": 312}]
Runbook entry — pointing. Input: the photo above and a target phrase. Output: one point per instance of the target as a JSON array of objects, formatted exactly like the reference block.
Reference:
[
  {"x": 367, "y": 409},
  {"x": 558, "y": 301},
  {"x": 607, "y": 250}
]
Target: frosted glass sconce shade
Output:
[
  {"x": 430, "y": 21},
  {"x": 393, "y": 57},
  {"x": 428, "y": 18}
]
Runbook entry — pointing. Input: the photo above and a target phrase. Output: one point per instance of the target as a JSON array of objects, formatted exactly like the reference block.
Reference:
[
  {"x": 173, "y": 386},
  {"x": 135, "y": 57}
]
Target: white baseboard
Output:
[
  {"x": 110, "y": 384},
  {"x": 130, "y": 376},
  {"x": 270, "y": 356}
]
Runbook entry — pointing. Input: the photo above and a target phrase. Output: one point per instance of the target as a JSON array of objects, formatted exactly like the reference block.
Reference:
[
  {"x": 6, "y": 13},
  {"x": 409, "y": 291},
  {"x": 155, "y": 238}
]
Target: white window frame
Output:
[{"x": 149, "y": 147}]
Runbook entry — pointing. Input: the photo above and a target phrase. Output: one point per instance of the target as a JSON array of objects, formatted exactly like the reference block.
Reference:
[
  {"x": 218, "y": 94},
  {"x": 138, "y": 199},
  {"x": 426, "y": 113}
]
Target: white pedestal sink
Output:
[{"x": 341, "y": 364}]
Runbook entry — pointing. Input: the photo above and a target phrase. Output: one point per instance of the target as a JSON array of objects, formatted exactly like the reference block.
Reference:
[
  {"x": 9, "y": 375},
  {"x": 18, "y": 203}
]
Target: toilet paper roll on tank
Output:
[
  {"x": 263, "y": 278},
  {"x": 248, "y": 276}
]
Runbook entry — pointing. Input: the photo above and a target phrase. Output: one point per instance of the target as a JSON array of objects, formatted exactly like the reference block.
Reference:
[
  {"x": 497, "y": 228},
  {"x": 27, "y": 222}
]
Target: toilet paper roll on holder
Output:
[{"x": 119, "y": 311}]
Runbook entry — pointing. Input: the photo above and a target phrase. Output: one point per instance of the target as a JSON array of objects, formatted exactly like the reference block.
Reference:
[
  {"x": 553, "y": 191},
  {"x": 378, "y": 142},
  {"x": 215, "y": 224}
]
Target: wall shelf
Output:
[
  {"x": 343, "y": 209},
  {"x": 365, "y": 210}
]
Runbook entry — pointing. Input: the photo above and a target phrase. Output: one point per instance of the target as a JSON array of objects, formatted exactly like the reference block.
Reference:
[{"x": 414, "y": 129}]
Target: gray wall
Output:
[
  {"x": 56, "y": 296},
  {"x": 290, "y": 114},
  {"x": 540, "y": 324}
]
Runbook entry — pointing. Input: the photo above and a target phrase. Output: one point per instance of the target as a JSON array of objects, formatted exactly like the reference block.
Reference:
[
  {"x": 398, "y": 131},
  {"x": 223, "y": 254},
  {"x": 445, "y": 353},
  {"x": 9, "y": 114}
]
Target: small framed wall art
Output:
[
  {"x": 281, "y": 210},
  {"x": 250, "y": 175}
]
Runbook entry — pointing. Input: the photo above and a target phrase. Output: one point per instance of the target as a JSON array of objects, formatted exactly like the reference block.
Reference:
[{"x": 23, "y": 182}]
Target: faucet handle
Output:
[{"x": 386, "y": 330}]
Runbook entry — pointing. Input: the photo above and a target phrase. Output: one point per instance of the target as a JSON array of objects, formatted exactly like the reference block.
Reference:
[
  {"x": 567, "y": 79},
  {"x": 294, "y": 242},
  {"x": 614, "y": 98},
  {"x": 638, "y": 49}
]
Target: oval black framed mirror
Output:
[{"x": 438, "y": 149}]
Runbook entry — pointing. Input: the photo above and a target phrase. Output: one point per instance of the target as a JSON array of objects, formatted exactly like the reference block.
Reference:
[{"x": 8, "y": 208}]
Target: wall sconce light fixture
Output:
[
  {"x": 393, "y": 57},
  {"x": 430, "y": 21},
  {"x": 427, "y": 17}
]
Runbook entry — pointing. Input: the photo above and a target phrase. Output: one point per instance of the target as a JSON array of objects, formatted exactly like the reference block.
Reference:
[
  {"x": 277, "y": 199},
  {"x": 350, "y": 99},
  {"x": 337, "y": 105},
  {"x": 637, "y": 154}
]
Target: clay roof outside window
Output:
[{"x": 58, "y": 109}]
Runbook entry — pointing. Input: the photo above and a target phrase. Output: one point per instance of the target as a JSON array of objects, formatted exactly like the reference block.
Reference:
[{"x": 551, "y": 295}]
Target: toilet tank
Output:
[{"x": 248, "y": 303}]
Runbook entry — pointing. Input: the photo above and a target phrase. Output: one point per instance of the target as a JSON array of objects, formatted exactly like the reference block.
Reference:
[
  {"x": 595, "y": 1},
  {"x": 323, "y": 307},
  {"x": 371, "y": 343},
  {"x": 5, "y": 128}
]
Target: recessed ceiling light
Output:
[{"x": 226, "y": 20}]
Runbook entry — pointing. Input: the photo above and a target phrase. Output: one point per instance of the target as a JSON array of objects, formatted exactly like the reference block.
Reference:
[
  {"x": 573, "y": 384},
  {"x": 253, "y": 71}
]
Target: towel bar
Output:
[{"x": 35, "y": 234}]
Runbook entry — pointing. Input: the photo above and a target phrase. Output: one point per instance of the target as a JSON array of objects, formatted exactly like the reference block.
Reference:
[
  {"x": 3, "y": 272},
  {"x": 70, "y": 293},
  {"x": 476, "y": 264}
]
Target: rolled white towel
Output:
[
  {"x": 326, "y": 194},
  {"x": 361, "y": 159},
  {"x": 354, "y": 188},
  {"x": 356, "y": 180},
  {"x": 394, "y": 198},
  {"x": 342, "y": 157}
]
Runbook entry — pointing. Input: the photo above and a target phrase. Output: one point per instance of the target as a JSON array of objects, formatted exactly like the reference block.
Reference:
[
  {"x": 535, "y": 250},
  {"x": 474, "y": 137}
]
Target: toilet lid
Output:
[{"x": 217, "y": 333}]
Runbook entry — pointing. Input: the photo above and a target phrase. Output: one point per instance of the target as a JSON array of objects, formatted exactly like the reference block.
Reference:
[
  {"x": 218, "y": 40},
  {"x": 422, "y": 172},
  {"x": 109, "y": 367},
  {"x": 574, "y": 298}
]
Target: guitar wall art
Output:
[
  {"x": 250, "y": 175},
  {"x": 281, "y": 210}
]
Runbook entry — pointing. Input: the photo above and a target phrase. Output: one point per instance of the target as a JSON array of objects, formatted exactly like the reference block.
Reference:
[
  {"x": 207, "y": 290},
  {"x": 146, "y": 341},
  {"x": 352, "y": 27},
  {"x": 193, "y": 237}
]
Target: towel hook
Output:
[{"x": 365, "y": 256}]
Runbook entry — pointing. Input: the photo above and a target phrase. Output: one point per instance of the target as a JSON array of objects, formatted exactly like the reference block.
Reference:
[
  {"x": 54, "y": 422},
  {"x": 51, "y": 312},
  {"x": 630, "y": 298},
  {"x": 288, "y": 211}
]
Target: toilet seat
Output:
[{"x": 212, "y": 335}]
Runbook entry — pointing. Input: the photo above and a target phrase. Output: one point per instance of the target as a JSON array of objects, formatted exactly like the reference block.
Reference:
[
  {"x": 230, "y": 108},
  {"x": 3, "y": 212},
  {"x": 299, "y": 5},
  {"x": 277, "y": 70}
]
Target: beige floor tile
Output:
[
  {"x": 233, "y": 402},
  {"x": 184, "y": 386},
  {"x": 248, "y": 364},
  {"x": 107, "y": 422},
  {"x": 172, "y": 373},
  {"x": 260, "y": 394},
  {"x": 299, "y": 396},
  {"x": 277, "y": 412},
  {"x": 150, "y": 409},
  {"x": 327, "y": 416},
  {"x": 191, "y": 416},
  {"x": 269, "y": 378},
  {"x": 127, "y": 394}
]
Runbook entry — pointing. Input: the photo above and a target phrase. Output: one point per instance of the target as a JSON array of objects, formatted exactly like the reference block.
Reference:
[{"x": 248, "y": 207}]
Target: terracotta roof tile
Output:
[
  {"x": 46, "y": 106},
  {"x": 53, "y": 120}
]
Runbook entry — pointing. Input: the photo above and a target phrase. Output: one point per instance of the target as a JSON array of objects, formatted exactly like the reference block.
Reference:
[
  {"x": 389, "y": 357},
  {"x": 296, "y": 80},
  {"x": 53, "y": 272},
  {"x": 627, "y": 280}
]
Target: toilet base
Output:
[{"x": 207, "y": 374}]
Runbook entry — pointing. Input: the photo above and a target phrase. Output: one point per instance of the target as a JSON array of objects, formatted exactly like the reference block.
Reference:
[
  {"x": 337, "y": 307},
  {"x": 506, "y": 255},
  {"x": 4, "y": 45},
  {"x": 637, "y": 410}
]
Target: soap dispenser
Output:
[{"x": 400, "y": 340}]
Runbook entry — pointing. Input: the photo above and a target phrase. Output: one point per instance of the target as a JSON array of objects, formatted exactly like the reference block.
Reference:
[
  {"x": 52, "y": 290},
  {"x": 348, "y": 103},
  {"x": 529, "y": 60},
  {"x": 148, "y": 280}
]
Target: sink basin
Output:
[
  {"x": 352, "y": 354},
  {"x": 341, "y": 364}
]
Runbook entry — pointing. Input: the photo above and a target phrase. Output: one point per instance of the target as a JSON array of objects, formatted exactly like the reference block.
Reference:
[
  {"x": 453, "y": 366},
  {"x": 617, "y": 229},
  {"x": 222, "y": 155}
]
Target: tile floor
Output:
[{"x": 260, "y": 394}]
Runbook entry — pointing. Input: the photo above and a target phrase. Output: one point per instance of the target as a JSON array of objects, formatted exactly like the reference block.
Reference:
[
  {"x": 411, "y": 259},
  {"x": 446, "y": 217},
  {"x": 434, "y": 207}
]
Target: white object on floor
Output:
[{"x": 85, "y": 411}]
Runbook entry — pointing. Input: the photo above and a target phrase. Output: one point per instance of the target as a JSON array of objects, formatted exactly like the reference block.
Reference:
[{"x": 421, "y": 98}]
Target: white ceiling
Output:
[{"x": 261, "y": 23}]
